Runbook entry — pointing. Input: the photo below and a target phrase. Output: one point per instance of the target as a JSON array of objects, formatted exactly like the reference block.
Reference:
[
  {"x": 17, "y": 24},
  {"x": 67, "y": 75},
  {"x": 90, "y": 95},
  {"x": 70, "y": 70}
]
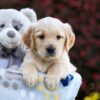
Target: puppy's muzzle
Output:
[
  {"x": 11, "y": 34},
  {"x": 50, "y": 50}
]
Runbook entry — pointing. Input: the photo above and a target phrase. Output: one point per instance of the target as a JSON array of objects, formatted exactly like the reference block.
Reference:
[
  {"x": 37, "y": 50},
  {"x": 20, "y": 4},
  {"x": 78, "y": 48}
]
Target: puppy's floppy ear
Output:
[
  {"x": 27, "y": 37},
  {"x": 70, "y": 36}
]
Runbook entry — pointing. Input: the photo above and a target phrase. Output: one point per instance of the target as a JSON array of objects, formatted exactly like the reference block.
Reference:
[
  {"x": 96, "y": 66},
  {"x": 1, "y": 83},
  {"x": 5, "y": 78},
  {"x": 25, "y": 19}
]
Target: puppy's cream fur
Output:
[{"x": 48, "y": 31}]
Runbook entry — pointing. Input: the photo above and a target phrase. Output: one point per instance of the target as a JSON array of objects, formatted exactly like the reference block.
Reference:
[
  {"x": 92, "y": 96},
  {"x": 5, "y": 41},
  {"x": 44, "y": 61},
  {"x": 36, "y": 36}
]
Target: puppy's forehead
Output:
[{"x": 50, "y": 24}]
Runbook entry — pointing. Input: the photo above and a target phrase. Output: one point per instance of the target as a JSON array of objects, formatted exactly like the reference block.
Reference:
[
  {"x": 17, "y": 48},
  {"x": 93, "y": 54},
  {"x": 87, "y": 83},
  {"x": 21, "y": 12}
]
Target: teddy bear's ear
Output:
[
  {"x": 70, "y": 36},
  {"x": 30, "y": 14}
]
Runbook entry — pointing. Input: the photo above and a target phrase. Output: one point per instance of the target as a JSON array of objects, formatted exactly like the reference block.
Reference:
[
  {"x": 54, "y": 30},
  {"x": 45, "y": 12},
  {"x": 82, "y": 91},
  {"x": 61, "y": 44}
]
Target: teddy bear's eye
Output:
[
  {"x": 41, "y": 36},
  {"x": 17, "y": 28},
  {"x": 2, "y": 25},
  {"x": 58, "y": 37},
  {"x": 17, "y": 24}
]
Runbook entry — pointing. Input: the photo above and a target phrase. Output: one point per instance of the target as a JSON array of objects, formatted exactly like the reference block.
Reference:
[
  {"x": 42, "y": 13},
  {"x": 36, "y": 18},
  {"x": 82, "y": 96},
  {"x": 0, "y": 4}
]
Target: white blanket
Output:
[{"x": 13, "y": 88}]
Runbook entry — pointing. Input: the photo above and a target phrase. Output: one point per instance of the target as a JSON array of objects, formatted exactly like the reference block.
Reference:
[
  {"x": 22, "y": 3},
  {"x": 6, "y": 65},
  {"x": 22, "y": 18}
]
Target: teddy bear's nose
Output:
[{"x": 11, "y": 34}]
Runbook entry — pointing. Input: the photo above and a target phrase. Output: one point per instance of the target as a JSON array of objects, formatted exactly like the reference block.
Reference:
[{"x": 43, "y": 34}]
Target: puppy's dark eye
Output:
[
  {"x": 2, "y": 25},
  {"x": 41, "y": 36},
  {"x": 58, "y": 37}
]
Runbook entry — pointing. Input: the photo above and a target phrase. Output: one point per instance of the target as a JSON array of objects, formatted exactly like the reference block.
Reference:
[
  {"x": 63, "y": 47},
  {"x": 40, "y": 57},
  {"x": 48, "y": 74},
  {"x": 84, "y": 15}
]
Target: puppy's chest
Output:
[{"x": 42, "y": 67}]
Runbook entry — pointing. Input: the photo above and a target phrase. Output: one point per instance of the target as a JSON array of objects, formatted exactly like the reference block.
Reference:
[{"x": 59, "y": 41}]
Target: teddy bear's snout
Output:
[{"x": 11, "y": 34}]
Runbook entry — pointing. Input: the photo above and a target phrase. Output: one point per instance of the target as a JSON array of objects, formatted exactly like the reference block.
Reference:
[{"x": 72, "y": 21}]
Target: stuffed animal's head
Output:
[{"x": 13, "y": 24}]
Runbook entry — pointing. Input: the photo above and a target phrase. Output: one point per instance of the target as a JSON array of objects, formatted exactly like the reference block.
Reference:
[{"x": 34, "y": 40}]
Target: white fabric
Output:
[{"x": 39, "y": 92}]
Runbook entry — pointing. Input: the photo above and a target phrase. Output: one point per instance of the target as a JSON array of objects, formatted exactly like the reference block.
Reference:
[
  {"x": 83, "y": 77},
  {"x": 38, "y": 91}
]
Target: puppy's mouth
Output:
[
  {"x": 46, "y": 56},
  {"x": 50, "y": 56}
]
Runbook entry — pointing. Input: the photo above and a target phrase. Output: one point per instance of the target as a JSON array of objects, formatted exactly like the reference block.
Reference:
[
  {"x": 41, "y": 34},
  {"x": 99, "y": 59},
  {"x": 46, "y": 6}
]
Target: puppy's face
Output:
[
  {"x": 49, "y": 38},
  {"x": 49, "y": 43}
]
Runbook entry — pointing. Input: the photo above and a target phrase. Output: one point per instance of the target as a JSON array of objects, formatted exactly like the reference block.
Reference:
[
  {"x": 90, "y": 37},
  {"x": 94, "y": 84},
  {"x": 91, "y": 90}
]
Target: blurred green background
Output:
[{"x": 84, "y": 16}]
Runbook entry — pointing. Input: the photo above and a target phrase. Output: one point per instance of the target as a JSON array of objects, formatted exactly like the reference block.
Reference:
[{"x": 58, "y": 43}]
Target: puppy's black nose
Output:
[
  {"x": 50, "y": 50},
  {"x": 11, "y": 34}
]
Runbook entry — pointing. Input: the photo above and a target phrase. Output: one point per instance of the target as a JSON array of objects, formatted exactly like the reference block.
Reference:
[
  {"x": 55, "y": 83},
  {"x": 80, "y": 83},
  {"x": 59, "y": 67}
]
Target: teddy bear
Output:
[{"x": 13, "y": 24}]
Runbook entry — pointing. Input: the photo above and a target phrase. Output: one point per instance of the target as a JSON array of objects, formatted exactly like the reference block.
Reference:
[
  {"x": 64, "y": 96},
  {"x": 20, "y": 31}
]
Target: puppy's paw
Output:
[
  {"x": 52, "y": 82},
  {"x": 30, "y": 79}
]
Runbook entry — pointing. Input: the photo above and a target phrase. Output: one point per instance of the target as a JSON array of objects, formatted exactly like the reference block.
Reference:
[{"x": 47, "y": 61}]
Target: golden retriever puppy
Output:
[{"x": 49, "y": 41}]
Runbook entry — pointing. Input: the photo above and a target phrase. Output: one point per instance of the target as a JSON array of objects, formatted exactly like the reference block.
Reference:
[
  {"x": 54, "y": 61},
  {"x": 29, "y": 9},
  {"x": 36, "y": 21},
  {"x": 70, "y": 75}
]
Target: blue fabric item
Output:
[
  {"x": 13, "y": 88},
  {"x": 67, "y": 80},
  {"x": 13, "y": 57}
]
